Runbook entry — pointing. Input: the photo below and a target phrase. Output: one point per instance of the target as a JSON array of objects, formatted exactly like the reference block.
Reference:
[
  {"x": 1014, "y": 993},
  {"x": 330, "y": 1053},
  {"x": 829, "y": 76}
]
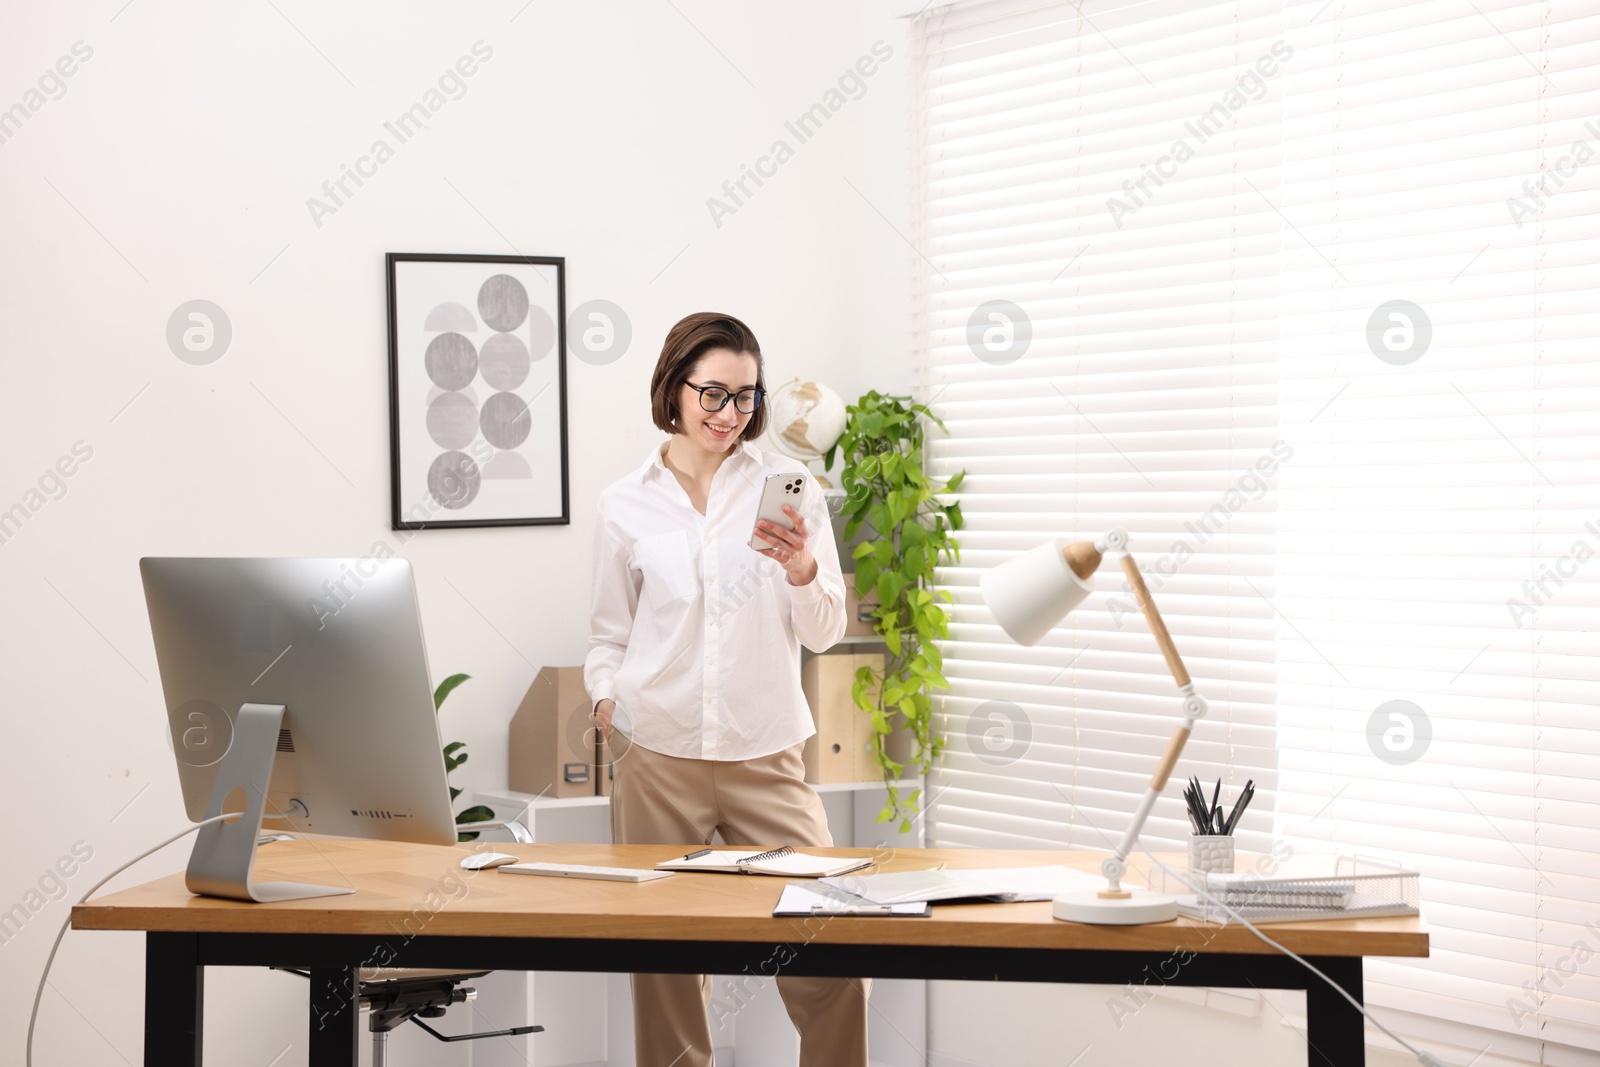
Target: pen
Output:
[
  {"x": 1242, "y": 803},
  {"x": 876, "y": 909},
  {"x": 697, "y": 855}
]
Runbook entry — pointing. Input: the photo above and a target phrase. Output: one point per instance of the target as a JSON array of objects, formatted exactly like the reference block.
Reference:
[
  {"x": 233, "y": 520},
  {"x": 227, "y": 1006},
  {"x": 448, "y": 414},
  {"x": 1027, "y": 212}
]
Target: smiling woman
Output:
[{"x": 694, "y": 659}]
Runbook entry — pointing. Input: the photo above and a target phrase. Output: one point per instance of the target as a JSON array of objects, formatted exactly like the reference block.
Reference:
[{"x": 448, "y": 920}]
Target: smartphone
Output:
[{"x": 776, "y": 491}]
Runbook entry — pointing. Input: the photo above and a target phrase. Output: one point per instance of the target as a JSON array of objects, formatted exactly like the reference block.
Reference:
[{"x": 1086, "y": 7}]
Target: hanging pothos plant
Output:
[
  {"x": 478, "y": 812},
  {"x": 885, "y": 485}
]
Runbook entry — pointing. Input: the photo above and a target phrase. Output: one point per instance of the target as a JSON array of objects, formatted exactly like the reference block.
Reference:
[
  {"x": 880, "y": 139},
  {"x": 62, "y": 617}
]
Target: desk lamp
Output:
[{"x": 1028, "y": 596}]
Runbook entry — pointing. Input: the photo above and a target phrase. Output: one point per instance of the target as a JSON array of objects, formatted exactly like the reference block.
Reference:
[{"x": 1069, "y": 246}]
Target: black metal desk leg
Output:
[
  {"x": 174, "y": 1000},
  {"x": 335, "y": 1020},
  {"x": 1335, "y": 1031}
]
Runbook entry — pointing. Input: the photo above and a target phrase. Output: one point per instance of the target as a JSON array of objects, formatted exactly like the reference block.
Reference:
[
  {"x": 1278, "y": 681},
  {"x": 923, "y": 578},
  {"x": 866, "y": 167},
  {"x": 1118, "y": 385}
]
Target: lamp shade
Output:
[{"x": 1031, "y": 593}]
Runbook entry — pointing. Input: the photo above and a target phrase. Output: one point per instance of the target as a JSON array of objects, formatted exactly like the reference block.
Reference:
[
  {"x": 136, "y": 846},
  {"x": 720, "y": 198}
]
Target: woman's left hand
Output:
[{"x": 790, "y": 550}]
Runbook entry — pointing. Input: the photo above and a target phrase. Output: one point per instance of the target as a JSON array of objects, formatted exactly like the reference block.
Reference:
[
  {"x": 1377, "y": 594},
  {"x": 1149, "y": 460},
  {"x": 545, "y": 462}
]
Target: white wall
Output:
[{"x": 176, "y": 166}]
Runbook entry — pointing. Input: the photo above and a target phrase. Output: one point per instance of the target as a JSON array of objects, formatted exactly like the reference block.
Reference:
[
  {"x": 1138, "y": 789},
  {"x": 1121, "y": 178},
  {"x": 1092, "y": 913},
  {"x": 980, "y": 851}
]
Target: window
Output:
[{"x": 1300, "y": 294}]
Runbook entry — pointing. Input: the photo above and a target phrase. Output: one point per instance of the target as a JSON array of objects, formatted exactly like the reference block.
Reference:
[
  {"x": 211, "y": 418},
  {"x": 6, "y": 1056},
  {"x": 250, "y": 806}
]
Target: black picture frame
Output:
[{"x": 454, "y": 482}]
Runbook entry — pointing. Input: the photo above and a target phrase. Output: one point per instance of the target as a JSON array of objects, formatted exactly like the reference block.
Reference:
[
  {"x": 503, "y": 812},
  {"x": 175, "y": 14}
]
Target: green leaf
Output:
[
  {"x": 866, "y": 576},
  {"x": 955, "y": 481},
  {"x": 905, "y": 826},
  {"x": 827, "y": 458},
  {"x": 891, "y": 637},
  {"x": 445, "y": 688},
  {"x": 476, "y": 813},
  {"x": 865, "y": 548}
]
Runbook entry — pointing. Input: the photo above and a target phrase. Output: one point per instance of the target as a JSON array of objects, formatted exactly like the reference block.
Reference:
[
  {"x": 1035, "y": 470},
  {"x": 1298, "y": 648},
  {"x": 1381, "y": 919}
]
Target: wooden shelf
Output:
[{"x": 848, "y": 644}]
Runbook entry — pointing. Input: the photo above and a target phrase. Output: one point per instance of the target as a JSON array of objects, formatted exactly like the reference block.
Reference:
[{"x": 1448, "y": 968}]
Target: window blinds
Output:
[
  {"x": 1439, "y": 480},
  {"x": 1101, "y": 340},
  {"x": 1301, "y": 296}
]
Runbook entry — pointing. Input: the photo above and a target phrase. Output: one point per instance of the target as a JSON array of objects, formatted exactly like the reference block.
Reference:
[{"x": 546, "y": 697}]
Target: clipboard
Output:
[{"x": 807, "y": 899}]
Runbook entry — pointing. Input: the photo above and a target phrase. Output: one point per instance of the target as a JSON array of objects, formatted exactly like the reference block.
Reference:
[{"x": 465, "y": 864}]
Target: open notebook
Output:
[{"x": 781, "y": 861}]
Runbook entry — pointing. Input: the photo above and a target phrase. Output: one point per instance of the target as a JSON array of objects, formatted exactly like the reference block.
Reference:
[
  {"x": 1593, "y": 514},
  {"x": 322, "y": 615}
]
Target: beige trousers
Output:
[{"x": 764, "y": 802}]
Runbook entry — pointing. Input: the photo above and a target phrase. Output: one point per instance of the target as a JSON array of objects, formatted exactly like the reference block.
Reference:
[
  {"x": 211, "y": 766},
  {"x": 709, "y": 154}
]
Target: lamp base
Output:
[{"x": 1139, "y": 907}]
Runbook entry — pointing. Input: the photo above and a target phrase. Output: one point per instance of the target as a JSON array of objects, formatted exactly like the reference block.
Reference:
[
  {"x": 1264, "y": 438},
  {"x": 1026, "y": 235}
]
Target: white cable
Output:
[
  {"x": 1427, "y": 1059},
  {"x": 45, "y": 977}
]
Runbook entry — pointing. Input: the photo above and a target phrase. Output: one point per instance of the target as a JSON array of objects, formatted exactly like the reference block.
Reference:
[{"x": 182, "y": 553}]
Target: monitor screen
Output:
[{"x": 338, "y": 643}]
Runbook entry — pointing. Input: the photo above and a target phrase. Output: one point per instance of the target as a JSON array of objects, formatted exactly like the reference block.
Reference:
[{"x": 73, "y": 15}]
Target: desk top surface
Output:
[{"x": 422, "y": 889}]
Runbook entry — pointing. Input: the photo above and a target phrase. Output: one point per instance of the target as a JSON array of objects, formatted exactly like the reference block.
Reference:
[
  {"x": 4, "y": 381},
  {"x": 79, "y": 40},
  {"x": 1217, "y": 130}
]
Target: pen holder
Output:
[{"x": 1211, "y": 853}]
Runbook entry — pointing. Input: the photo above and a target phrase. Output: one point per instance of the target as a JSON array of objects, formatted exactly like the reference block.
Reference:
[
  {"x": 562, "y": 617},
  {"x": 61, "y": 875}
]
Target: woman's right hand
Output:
[{"x": 602, "y": 716}]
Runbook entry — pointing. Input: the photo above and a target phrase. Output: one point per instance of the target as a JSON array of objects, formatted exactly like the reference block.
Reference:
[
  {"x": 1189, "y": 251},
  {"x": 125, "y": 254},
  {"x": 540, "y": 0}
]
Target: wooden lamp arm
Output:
[{"x": 1084, "y": 558}]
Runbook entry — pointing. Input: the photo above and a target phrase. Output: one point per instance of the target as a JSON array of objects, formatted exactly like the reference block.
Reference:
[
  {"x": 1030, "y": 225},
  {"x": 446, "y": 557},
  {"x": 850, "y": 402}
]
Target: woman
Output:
[{"x": 694, "y": 659}]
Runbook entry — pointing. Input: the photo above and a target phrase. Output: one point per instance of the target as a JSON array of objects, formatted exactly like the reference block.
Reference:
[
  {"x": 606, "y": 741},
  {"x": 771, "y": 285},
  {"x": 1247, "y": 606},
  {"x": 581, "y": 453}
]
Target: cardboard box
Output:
[
  {"x": 552, "y": 747},
  {"x": 857, "y": 612},
  {"x": 841, "y": 749}
]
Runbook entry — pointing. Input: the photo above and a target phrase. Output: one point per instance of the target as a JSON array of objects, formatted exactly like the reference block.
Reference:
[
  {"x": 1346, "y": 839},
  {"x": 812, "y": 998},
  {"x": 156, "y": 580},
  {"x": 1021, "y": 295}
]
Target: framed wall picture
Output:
[{"x": 477, "y": 390}]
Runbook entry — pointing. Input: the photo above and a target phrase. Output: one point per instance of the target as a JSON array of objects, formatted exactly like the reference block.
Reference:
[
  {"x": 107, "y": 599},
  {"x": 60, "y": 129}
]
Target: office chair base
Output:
[{"x": 1138, "y": 908}]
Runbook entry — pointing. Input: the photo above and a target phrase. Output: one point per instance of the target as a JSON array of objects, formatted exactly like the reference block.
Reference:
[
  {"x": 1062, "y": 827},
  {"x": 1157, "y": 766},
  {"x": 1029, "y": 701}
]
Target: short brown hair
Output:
[{"x": 691, "y": 338}]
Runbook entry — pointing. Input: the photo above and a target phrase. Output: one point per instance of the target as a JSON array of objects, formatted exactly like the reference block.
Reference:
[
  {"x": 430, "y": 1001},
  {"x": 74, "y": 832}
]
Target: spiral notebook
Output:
[{"x": 780, "y": 861}]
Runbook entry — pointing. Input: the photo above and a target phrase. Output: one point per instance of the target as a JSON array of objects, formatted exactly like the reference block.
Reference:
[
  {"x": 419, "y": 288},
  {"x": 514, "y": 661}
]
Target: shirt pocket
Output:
[{"x": 667, "y": 568}]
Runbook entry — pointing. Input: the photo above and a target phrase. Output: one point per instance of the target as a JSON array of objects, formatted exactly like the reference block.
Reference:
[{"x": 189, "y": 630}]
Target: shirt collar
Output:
[{"x": 743, "y": 453}]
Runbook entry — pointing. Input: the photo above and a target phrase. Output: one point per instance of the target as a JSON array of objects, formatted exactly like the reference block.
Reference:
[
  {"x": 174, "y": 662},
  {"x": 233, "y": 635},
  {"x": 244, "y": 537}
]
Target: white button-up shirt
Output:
[{"x": 694, "y": 634}]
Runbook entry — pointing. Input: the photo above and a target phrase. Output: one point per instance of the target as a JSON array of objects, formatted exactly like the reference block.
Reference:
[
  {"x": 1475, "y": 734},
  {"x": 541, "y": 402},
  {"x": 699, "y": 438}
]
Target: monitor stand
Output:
[{"x": 225, "y": 852}]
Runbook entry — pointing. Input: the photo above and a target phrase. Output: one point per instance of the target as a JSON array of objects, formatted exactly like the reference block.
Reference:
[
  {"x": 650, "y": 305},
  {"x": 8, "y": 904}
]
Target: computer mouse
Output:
[{"x": 481, "y": 861}]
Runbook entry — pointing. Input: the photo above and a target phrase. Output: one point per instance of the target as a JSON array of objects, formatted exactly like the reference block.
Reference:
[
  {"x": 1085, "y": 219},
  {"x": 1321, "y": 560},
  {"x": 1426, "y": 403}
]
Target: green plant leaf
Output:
[
  {"x": 882, "y": 453},
  {"x": 866, "y": 576},
  {"x": 476, "y": 813},
  {"x": 446, "y": 687}
]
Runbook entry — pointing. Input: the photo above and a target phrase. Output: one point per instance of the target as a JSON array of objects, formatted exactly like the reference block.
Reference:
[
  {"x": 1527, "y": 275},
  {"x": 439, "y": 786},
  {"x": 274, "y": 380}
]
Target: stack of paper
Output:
[
  {"x": 994, "y": 883},
  {"x": 814, "y": 898}
]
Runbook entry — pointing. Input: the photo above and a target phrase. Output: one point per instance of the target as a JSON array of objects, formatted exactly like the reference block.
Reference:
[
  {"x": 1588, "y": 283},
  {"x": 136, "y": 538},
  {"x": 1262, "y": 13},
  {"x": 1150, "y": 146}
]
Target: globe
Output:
[{"x": 804, "y": 419}]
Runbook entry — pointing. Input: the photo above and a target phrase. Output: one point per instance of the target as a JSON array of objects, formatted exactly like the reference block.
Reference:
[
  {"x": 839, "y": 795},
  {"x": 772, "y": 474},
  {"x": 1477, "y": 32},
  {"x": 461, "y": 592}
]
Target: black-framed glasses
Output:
[{"x": 715, "y": 398}]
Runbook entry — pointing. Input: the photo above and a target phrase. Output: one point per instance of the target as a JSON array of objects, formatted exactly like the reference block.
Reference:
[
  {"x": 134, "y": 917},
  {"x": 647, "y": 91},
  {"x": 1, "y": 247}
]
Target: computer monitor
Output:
[{"x": 297, "y": 692}]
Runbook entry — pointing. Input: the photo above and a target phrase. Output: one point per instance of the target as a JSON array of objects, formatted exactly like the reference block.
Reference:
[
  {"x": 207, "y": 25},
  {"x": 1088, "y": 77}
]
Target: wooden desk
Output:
[{"x": 415, "y": 907}]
